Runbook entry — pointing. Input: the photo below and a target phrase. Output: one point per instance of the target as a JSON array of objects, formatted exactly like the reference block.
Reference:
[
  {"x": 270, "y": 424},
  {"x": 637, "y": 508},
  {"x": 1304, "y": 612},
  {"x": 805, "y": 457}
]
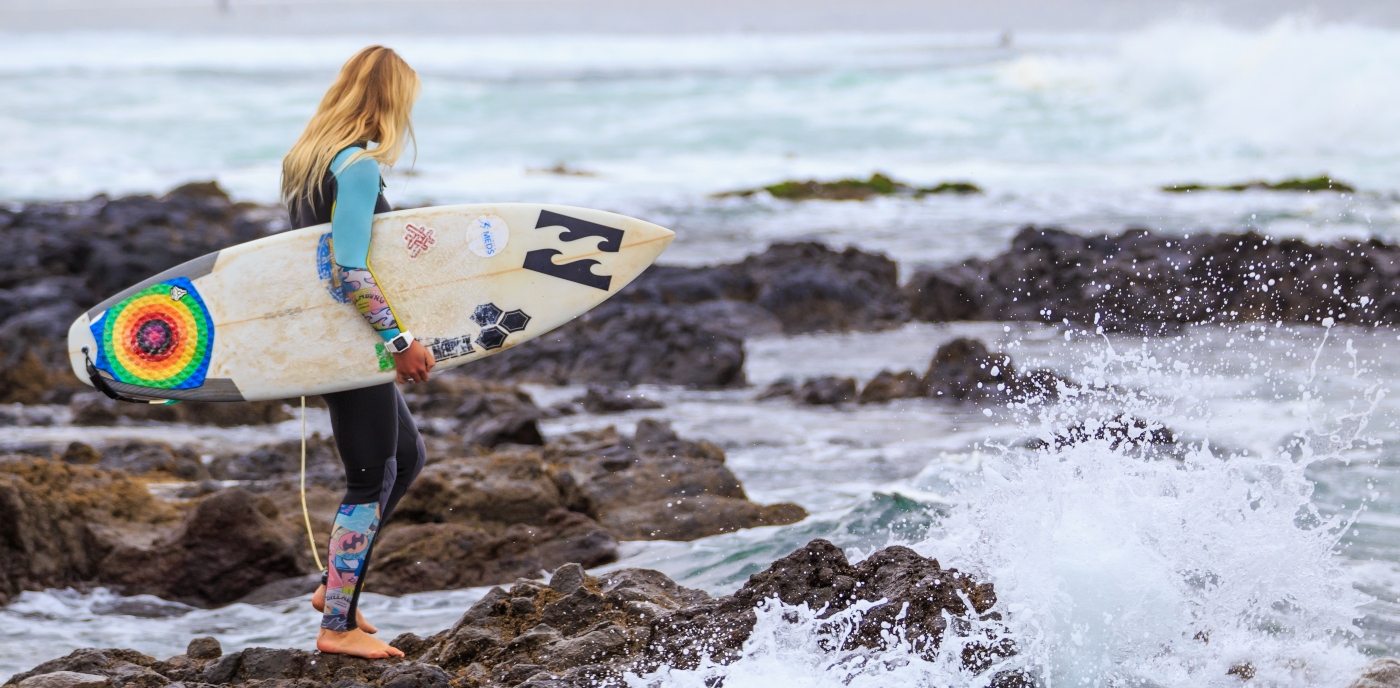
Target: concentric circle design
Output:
[{"x": 161, "y": 336}]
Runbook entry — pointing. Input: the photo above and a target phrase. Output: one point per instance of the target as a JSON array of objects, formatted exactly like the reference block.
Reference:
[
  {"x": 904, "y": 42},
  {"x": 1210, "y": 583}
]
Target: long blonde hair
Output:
[{"x": 370, "y": 101}]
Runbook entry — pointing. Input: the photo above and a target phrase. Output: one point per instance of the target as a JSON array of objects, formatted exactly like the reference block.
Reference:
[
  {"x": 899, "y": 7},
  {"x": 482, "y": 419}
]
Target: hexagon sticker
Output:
[
  {"x": 486, "y": 314},
  {"x": 515, "y": 321},
  {"x": 491, "y": 338}
]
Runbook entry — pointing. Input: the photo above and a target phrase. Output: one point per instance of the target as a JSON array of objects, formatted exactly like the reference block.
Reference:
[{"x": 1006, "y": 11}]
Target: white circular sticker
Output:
[{"x": 487, "y": 235}]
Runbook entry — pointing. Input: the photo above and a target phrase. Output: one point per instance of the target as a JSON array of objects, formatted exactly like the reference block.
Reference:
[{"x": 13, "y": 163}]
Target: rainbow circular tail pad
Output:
[{"x": 161, "y": 337}]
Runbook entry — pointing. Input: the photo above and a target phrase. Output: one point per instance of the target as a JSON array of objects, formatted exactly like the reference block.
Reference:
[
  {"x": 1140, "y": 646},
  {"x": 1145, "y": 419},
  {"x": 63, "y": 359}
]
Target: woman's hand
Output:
[{"x": 414, "y": 363}]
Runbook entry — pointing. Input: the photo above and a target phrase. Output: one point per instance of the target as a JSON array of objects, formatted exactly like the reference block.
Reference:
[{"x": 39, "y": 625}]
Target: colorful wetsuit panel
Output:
[
  {"x": 363, "y": 291},
  {"x": 351, "y": 536}
]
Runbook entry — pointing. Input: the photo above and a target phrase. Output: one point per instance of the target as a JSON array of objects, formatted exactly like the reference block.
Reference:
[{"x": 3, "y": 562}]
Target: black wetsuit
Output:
[{"x": 380, "y": 447}]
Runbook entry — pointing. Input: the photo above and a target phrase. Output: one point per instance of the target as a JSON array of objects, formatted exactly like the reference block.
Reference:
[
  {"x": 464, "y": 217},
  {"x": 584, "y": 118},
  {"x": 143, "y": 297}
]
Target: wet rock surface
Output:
[
  {"x": 481, "y": 413},
  {"x": 579, "y": 630},
  {"x": 1139, "y": 281},
  {"x": 961, "y": 370},
  {"x": 228, "y": 545},
  {"x": 600, "y": 399},
  {"x": 93, "y": 408},
  {"x": 655, "y": 485},
  {"x": 59, "y": 522},
  {"x": 230, "y": 527}
]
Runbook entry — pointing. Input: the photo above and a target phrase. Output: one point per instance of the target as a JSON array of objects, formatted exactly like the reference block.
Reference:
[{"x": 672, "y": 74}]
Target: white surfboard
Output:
[{"x": 267, "y": 320}]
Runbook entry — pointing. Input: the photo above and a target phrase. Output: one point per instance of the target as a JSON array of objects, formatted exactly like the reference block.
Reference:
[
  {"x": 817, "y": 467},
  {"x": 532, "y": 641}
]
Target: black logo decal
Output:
[
  {"x": 497, "y": 325},
  {"x": 579, "y": 271}
]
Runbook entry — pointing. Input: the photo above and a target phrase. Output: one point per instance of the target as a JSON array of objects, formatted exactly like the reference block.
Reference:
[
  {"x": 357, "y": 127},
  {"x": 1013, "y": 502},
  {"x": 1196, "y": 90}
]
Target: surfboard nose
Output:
[{"x": 646, "y": 240}]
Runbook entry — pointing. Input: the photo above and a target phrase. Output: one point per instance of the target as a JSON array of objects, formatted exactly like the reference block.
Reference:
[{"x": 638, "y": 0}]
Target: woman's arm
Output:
[
  {"x": 357, "y": 190},
  {"x": 352, "y": 217}
]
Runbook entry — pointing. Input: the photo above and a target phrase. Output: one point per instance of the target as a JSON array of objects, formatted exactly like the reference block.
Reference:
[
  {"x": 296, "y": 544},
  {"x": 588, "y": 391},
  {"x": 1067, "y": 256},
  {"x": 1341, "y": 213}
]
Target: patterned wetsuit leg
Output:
[{"x": 383, "y": 453}]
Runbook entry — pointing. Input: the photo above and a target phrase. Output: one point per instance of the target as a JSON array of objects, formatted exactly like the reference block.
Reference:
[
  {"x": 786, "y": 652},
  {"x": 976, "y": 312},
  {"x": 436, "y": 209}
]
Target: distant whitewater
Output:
[{"x": 1073, "y": 129}]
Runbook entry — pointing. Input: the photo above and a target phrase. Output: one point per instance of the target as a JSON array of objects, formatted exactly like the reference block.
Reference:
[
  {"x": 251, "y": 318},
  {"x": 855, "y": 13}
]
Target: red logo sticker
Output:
[{"x": 418, "y": 239}]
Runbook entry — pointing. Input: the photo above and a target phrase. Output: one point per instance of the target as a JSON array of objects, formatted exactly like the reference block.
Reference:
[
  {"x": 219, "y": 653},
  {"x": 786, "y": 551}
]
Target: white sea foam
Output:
[{"x": 1078, "y": 130}]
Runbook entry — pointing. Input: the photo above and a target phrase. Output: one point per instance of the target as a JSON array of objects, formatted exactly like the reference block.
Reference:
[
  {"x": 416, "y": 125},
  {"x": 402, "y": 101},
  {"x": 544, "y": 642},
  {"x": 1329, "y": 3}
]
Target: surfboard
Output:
[{"x": 268, "y": 320}]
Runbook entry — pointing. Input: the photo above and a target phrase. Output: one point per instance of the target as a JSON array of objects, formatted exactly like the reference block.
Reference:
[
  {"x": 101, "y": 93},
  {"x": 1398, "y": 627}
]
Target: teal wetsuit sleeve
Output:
[
  {"x": 357, "y": 190},
  {"x": 352, "y": 217}
]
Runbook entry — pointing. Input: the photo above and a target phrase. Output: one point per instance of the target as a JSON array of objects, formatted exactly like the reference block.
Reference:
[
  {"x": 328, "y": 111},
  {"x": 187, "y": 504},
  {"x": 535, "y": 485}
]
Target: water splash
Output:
[{"x": 1120, "y": 559}]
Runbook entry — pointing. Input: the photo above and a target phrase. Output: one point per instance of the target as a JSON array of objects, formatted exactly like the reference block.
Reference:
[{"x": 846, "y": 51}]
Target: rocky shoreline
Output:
[
  {"x": 578, "y": 630},
  {"x": 501, "y": 501},
  {"x": 496, "y": 502},
  {"x": 686, "y": 326}
]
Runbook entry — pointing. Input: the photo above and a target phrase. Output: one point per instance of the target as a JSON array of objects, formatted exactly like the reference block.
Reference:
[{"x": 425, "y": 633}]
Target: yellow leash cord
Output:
[{"x": 305, "y": 514}]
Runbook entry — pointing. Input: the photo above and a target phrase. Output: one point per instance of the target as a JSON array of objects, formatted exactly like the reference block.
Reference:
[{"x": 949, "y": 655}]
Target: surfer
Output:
[{"x": 332, "y": 175}]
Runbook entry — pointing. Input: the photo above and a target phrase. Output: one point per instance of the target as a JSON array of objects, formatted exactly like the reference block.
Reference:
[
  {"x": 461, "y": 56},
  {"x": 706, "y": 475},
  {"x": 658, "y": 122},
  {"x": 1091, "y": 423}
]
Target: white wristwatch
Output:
[{"x": 400, "y": 343}]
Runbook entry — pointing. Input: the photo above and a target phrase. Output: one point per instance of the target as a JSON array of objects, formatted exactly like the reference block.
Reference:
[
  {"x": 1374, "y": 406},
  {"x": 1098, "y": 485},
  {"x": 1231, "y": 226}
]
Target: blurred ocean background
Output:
[{"x": 1105, "y": 566}]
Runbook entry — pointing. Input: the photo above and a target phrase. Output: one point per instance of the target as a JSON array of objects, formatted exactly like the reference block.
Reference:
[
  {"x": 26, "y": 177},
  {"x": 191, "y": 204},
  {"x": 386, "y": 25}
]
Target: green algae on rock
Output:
[
  {"x": 852, "y": 189},
  {"x": 1319, "y": 183}
]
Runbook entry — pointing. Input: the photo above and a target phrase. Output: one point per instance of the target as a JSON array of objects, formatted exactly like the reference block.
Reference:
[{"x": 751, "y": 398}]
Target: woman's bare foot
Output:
[
  {"x": 356, "y": 643},
  {"x": 318, "y": 600}
]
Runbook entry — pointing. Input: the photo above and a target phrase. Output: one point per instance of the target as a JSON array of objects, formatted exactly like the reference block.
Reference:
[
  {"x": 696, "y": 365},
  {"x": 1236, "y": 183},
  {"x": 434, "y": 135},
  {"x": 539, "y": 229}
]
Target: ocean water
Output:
[{"x": 1270, "y": 538}]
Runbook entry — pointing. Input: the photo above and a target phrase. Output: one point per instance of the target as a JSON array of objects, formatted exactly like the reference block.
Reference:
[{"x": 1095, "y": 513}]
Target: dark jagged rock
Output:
[
  {"x": 853, "y": 189},
  {"x": 811, "y": 288},
  {"x": 961, "y": 370},
  {"x": 638, "y": 488},
  {"x": 887, "y": 386},
  {"x": 140, "y": 456},
  {"x": 1382, "y": 673},
  {"x": 601, "y": 399},
  {"x": 485, "y": 413},
  {"x": 227, "y": 546},
  {"x": 803, "y": 286},
  {"x": 448, "y": 556},
  {"x": 493, "y": 490},
  {"x": 819, "y": 391},
  {"x": 59, "y": 521},
  {"x": 283, "y": 461},
  {"x": 92, "y": 408},
  {"x": 578, "y": 630},
  {"x": 1149, "y": 283}
]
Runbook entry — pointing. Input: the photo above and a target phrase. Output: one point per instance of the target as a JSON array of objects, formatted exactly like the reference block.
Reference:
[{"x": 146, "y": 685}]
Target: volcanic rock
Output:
[
  {"x": 961, "y": 370},
  {"x": 58, "y": 522},
  {"x": 93, "y": 408},
  {"x": 637, "y": 488},
  {"x": 819, "y": 391},
  {"x": 65, "y": 679},
  {"x": 228, "y": 545},
  {"x": 601, "y": 399},
  {"x": 1382, "y": 673},
  {"x": 578, "y": 630},
  {"x": 493, "y": 490},
  {"x": 1150, "y": 283},
  {"x": 448, "y": 556},
  {"x": 484, "y": 413},
  {"x": 887, "y": 386}
]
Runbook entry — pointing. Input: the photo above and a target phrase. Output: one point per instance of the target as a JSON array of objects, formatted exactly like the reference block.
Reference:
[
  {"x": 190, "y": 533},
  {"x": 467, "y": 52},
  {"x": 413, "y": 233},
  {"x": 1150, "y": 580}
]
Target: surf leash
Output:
[{"x": 305, "y": 514}]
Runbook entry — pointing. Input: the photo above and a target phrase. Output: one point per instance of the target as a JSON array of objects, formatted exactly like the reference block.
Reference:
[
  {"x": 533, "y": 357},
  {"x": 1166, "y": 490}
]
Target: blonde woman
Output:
[{"x": 332, "y": 175}]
